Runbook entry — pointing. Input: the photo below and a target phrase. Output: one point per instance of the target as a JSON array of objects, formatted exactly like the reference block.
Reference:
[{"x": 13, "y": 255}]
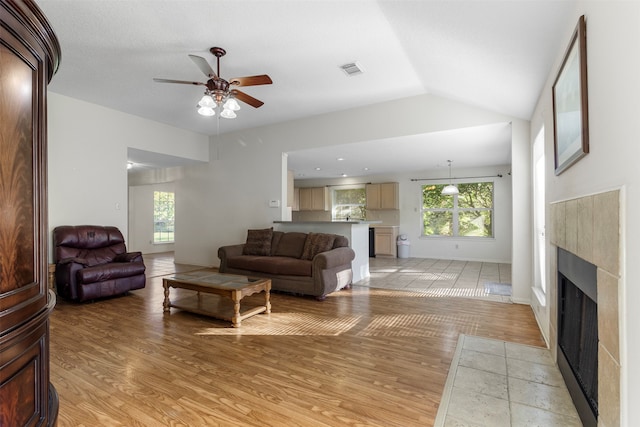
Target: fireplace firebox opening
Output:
[{"x": 578, "y": 333}]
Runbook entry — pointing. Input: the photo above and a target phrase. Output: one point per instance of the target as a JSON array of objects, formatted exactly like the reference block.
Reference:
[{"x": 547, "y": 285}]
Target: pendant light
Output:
[{"x": 450, "y": 190}]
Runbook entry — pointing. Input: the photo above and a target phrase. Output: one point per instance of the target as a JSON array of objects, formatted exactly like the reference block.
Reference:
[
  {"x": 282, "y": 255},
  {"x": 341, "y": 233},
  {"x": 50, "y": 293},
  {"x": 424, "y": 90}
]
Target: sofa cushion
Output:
[
  {"x": 258, "y": 242},
  {"x": 317, "y": 243},
  {"x": 341, "y": 242},
  {"x": 95, "y": 243},
  {"x": 291, "y": 244},
  {"x": 272, "y": 265},
  {"x": 98, "y": 256},
  {"x": 275, "y": 241}
]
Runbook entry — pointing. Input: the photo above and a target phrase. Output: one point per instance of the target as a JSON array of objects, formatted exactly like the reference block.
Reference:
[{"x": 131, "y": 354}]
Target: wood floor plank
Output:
[{"x": 362, "y": 357}]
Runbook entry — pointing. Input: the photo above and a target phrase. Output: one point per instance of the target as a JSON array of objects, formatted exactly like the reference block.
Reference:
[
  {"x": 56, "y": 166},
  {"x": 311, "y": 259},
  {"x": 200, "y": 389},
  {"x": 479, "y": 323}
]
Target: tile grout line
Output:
[
  {"x": 506, "y": 366},
  {"x": 443, "y": 409}
]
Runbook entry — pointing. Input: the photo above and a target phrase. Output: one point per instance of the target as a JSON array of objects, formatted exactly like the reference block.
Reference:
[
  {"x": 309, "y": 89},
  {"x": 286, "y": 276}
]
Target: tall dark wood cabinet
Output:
[{"x": 29, "y": 56}]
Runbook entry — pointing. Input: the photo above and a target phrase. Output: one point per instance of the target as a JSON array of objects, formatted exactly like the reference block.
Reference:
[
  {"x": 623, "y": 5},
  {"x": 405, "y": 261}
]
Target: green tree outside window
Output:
[
  {"x": 164, "y": 208},
  {"x": 467, "y": 214}
]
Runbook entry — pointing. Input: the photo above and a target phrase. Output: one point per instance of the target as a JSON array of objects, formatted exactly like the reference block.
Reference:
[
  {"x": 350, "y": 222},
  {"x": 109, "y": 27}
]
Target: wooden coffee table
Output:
[{"x": 225, "y": 285}]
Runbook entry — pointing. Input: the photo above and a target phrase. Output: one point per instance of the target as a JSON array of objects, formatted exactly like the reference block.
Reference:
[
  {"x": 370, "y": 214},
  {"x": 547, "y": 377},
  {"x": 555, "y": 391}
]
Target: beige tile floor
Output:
[
  {"x": 497, "y": 383},
  {"x": 438, "y": 277}
]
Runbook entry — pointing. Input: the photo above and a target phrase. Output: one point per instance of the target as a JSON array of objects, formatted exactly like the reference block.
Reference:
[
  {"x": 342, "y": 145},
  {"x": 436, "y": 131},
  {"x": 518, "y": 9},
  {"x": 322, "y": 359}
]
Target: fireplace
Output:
[
  {"x": 578, "y": 332},
  {"x": 589, "y": 227}
]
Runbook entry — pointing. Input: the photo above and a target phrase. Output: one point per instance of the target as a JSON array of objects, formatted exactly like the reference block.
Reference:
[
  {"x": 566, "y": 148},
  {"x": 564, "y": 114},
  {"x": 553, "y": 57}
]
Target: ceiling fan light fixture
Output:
[
  {"x": 206, "y": 102},
  {"x": 228, "y": 114},
  {"x": 232, "y": 104},
  {"x": 218, "y": 94},
  {"x": 206, "y": 111}
]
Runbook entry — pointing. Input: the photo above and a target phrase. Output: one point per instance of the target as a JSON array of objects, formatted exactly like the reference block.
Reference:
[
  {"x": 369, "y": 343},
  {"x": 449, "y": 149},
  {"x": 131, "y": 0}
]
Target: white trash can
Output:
[{"x": 403, "y": 246}]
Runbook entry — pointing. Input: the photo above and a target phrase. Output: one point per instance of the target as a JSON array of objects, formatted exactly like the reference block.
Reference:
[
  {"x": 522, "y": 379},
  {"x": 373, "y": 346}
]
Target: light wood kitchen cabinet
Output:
[
  {"x": 320, "y": 199},
  {"x": 290, "y": 190},
  {"x": 314, "y": 199},
  {"x": 304, "y": 199},
  {"x": 385, "y": 241},
  {"x": 383, "y": 196},
  {"x": 296, "y": 199}
]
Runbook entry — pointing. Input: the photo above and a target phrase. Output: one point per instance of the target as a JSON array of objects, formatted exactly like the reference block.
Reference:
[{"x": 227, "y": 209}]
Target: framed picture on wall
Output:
[{"x": 570, "y": 107}]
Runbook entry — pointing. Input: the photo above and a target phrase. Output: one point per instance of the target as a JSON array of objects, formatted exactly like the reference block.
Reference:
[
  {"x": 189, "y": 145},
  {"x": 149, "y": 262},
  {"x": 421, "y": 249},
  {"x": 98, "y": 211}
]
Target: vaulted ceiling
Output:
[{"x": 491, "y": 54}]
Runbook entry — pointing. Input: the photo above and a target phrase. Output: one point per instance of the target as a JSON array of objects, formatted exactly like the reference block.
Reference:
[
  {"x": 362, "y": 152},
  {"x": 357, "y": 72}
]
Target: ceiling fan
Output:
[{"x": 220, "y": 92}]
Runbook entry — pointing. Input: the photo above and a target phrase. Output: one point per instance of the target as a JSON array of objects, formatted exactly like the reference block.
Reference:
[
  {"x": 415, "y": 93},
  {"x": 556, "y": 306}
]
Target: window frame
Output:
[
  {"x": 456, "y": 210},
  {"x": 334, "y": 205},
  {"x": 170, "y": 222}
]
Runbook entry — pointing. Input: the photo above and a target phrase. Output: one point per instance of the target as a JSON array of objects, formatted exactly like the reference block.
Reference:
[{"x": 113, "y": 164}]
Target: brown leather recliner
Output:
[{"x": 92, "y": 262}]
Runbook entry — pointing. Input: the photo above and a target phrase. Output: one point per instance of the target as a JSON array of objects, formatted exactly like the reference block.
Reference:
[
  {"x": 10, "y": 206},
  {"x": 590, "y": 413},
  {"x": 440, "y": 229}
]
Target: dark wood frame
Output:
[{"x": 571, "y": 135}]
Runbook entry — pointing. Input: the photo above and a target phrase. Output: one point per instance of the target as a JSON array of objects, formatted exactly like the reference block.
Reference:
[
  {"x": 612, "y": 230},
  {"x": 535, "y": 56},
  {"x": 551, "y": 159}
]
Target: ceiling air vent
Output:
[{"x": 352, "y": 69}]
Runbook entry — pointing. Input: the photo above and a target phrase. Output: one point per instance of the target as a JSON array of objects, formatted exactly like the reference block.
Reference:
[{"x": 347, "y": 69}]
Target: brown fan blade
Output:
[
  {"x": 247, "y": 98},
  {"x": 251, "y": 80},
  {"x": 204, "y": 66},
  {"x": 179, "y": 81}
]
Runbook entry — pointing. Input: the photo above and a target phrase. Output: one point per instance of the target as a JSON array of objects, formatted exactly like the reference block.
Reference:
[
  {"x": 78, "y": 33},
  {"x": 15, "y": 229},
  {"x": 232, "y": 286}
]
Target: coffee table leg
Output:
[
  {"x": 236, "y": 297},
  {"x": 166, "y": 302},
  {"x": 267, "y": 302}
]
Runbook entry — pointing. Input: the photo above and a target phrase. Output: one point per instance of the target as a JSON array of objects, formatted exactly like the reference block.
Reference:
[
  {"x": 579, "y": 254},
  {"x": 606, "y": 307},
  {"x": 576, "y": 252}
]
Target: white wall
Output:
[
  {"x": 88, "y": 159},
  {"x": 613, "y": 63},
  {"x": 231, "y": 193},
  {"x": 141, "y": 218}
]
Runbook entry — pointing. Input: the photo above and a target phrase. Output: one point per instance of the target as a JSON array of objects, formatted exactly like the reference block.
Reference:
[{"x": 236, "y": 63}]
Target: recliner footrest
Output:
[{"x": 110, "y": 271}]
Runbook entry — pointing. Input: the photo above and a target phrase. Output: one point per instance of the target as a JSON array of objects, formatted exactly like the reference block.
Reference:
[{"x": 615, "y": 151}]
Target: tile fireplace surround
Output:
[{"x": 589, "y": 228}]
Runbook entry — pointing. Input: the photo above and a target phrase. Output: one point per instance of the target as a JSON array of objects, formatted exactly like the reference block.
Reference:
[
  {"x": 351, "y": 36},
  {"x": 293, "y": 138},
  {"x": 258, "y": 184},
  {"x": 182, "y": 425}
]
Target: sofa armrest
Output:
[
  {"x": 333, "y": 258},
  {"x": 226, "y": 252},
  {"x": 65, "y": 276},
  {"x": 332, "y": 270},
  {"x": 128, "y": 257}
]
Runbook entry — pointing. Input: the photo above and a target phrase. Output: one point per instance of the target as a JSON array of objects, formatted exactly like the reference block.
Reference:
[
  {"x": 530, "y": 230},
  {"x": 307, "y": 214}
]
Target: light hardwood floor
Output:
[{"x": 364, "y": 356}]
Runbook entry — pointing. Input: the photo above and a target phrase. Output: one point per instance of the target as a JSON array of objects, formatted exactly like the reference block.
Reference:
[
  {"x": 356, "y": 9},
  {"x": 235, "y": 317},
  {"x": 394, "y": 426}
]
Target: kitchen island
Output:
[{"x": 356, "y": 231}]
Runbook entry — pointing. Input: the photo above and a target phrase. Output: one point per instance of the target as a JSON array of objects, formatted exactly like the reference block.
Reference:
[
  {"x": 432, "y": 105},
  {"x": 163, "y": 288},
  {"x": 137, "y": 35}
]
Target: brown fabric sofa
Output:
[
  {"x": 92, "y": 262},
  {"x": 303, "y": 263}
]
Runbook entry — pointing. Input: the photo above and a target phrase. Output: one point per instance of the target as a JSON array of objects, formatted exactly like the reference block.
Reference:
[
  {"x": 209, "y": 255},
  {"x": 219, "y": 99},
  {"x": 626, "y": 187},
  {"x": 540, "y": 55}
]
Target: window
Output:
[
  {"x": 538, "y": 215},
  {"x": 163, "y": 216},
  {"x": 349, "y": 203},
  {"x": 468, "y": 214}
]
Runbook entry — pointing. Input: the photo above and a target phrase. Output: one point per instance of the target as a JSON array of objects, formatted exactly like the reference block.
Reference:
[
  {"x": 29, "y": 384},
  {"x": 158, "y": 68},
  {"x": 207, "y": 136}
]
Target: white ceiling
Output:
[{"x": 491, "y": 54}]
